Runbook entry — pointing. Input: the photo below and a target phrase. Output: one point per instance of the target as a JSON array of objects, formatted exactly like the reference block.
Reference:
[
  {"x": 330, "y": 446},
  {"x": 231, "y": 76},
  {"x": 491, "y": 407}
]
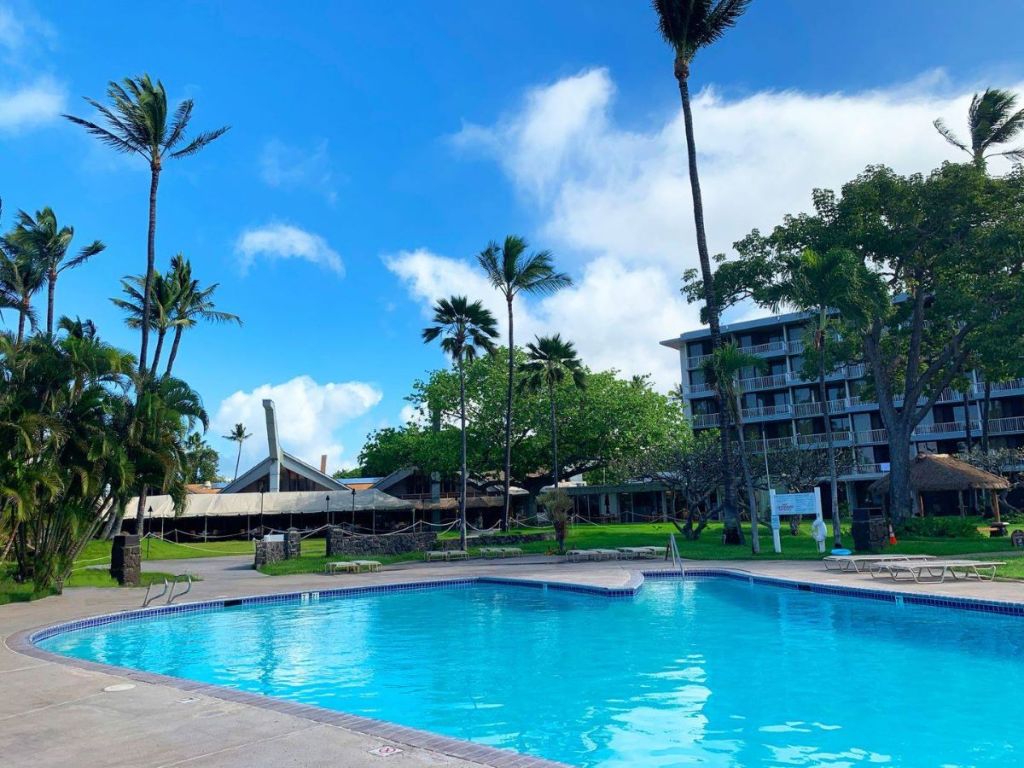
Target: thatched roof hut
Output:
[
  {"x": 933, "y": 472},
  {"x": 942, "y": 472}
]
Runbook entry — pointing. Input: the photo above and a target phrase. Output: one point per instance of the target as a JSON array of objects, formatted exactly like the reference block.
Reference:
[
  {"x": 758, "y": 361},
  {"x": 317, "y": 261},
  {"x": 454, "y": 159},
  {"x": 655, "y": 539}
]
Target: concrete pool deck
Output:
[{"x": 56, "y": 714}]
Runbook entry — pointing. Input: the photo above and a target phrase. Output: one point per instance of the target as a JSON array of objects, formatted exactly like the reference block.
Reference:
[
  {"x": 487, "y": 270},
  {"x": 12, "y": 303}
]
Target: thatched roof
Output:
[{"x": 942, "y": 472}]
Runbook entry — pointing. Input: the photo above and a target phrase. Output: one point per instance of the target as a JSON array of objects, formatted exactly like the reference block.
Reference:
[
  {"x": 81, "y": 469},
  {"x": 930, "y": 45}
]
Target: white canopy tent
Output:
[{"x": 282, "y": 503}]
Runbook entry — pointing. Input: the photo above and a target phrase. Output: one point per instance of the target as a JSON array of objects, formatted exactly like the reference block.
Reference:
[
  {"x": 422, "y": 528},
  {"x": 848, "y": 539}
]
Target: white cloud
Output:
[
  {"x": 284, "y": 241},
  {"x": 614, "y": 202},
  {"x": 309, "y": 417},
  {"x": 290, "y": 167},
  {"x": 29, "y": 105}
]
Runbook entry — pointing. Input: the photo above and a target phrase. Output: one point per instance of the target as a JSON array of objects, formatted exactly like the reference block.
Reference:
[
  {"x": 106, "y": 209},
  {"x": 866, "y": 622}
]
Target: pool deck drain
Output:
[{"x": 55, "y": 713}]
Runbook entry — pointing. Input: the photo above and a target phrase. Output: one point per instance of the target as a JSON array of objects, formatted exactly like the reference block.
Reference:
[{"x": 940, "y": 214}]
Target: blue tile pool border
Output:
[{"x": 25, "y": 642}]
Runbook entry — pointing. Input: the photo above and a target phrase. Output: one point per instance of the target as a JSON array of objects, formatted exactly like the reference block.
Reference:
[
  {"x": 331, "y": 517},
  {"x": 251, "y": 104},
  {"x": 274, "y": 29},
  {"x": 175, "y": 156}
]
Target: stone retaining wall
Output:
[
  {"x": 341, "y": 543},
  {"x": 268, "y": 552},
  {"x": 499, "y": 540}
]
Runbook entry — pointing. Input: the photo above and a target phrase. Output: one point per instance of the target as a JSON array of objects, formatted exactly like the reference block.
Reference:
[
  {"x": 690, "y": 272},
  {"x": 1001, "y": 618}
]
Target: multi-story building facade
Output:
[{"x": 781, "y": 408}]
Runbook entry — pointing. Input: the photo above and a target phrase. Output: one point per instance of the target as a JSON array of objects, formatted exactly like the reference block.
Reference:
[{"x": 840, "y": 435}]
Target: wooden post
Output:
[
  {"x": 920, "y": 503},
  {"x": 995, "y": 507},
  {"x": 960, "y": 501}
]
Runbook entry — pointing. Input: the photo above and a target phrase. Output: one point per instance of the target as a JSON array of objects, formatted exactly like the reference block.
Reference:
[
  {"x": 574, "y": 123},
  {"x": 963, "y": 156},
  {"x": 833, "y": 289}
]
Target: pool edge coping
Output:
[{"x": 24, "y": 642}]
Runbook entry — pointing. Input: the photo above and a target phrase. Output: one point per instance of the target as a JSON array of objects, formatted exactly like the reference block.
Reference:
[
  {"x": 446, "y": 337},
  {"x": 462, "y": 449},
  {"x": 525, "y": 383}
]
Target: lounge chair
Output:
[
  {"x": 341, "y": 566},
  {"x": 457, "y": 554},
  {"x": 511, "y": 552},
  {"x": 607, "y": 554},
  {"x": 371, "y": 566},
  {"x": 435, "y": 554},
  {"x": 490, "y": 552},
  {"x": 578, "y": 555},
  {"x": 861, "y": 563},
  {"x": 936, "y": 571}
]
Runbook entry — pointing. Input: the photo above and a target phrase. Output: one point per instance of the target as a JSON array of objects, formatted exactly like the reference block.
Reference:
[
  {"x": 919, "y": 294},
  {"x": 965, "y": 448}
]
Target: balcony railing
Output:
[
  {"x": 814, "y": 409},
  {"x": 867, "y": 469},
  {"x": 944, "y": 428},
  {"x": 821, "y": 439},
  {"x": 796, "y": 347},
  {"x": 1009, "y": 424},
  {"x": 767, "y": 412},
  {"x": 705, "y": 420},
  {"x": 872, "y": 436}
]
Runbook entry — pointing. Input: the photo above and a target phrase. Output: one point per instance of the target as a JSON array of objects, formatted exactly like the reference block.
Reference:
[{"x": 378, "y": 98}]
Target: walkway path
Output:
[{"x": 52, "y": 715}]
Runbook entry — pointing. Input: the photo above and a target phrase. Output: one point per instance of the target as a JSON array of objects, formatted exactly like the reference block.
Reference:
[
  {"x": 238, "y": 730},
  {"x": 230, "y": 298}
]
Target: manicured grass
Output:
[
  {"x": 12, "y": 592},
  {"x": 98, "y": 552}
]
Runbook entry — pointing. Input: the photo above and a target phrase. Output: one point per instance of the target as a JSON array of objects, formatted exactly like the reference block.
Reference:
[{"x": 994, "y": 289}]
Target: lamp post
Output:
[
  {"x": 353, "y": 510},
  {"x": 149, "y": 544},
  {"x": 328, "y": 509}
]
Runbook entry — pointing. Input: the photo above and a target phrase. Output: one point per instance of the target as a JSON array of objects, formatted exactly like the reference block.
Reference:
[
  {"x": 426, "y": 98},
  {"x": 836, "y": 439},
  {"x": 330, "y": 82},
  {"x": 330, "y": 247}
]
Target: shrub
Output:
[{"x": 942, "y": 528}]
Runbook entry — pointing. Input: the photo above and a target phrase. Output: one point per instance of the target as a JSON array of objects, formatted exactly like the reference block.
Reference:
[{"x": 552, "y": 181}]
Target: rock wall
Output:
[
  {"x": 126, "y": 559},
  {"x": 268, "y": 552},
  {"x": 341, "y": 543}
]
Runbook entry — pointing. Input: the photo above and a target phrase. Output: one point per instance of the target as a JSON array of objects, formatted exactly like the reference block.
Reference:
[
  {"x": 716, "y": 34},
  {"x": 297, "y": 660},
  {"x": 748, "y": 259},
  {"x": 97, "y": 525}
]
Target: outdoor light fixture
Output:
[
  {"x": 353, "y": 508},
  {"x": 328, "y": 509}
]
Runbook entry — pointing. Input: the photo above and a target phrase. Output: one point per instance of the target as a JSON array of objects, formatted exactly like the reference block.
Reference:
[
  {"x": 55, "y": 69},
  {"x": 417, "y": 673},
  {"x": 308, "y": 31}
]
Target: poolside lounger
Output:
[
  {"x": 657, "y": 551},
  {"x": 490, "y": 552},
  {"x": 457, "y": 554},
  {"x": 511, "y": 552},
  {"x": 607, "y": 554},
  {"x": 577, "y": 555},
  {"x": 371, "y": 566},
  {"x": 633, "y": 553},
  {"x": 342, "y": 566},
  {"x": 862, "y": 563},
  {"x": 923, "y": 571},
  {"x": 435, "y": 554}
]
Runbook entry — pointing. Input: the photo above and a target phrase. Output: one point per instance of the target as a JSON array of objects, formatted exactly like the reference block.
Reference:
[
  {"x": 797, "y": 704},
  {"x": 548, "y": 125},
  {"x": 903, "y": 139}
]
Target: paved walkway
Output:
[{"x": 54, "y": 715}]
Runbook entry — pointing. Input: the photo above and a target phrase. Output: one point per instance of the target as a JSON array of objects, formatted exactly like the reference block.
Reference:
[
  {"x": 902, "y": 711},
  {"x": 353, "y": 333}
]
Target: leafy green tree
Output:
[
  {"x": 21, "y": 278},
  {"x": 511, "y": 271},
  {"x": 724, "y": 369},
  {"x": 992, "y": 121},
  {"x": 237, "y": 435},
  {"x": 551, "y": 360},
  {"x": 163, "y": 296},
  {"x": 947, "y": 253},
  {"x": 47, "y": 244},
  {"x": 689, "y": 26},
  {"x": 200, "y": 460},
  {"x": 463, "y": 327},
  {"x": 138, "y": 122}
]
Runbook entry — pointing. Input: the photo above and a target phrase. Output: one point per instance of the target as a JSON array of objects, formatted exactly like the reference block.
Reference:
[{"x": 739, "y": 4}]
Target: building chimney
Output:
[
  {"x": 323, "y": 463},
  {"x": 273, "y": 448}
]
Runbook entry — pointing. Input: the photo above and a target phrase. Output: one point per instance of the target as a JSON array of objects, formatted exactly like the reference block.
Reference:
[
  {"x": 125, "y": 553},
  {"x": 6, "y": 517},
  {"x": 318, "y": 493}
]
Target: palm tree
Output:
[
  {"x": 723, "y": 370},
  {"x": 48, "y": 245},
  {"x": 689, "y": 26},
  {"x": 237, "y": 435},
  {"x": 137, "y": 123},
  {"x": 832, "y": 285},
  {"x": 192, "y": 304},
  {"x": 21, "y": 277},
  {"x": 550, "y": 361},
  {"x": 163, "y": 296},
  {"x": 511, "y": 271},
  {"x": 464, "y": 327},
  {"x": 991, "y": 121}
]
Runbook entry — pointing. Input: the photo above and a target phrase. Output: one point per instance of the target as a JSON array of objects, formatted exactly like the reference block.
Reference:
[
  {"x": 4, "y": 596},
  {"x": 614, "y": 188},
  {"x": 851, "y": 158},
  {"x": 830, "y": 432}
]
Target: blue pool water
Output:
[{"x": 712, "y": 673}]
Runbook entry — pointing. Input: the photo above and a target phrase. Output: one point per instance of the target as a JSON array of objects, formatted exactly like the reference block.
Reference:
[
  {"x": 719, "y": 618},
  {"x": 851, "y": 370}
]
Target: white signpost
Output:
[{"x": 787, "y": 504}]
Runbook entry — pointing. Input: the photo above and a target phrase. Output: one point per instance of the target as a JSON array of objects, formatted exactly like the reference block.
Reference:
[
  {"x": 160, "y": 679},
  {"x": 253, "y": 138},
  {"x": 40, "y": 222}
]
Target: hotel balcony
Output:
[
  {"x": 820, "y": 440},
  {"x": 767, "y": 412},
  {"x": 705, "y": 420},
  {"x": 771, "y": 349}
]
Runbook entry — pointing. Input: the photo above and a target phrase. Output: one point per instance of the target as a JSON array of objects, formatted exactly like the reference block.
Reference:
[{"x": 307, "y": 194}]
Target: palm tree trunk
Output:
[
  {"x": 554, "y": 436},
  {"x": 154, "y": 182},
  {"x": 967, "y": 417},
  {"x": 748, "y": 481},
  {"x": 238, "y": 460},
  {"x": 140, "y": 513},
  {"x": 733, "y": 532},
  {"x": 160, "y": 334},
  {"x": 51, "y": 289},
  {"x": 22, "y": 314},
  {"x": 174, "y": 350},
  {"x": 986, "y": 409},
  {"x": 830, "y": 444},
  {"x": 462, "y": 479},
  {"x": 506, "y": 512}
]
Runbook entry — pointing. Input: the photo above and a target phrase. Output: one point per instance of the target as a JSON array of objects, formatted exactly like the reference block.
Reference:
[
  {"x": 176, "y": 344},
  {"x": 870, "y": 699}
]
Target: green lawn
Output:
[
  {"x": 12, "y": 592},
  {"x": 98, "y": 552}
]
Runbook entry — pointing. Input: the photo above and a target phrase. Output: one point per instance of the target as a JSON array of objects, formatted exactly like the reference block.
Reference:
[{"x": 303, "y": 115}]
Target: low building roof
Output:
[
  {"x": 942, "y": 472},
  {"x": 283, "y": 503}
]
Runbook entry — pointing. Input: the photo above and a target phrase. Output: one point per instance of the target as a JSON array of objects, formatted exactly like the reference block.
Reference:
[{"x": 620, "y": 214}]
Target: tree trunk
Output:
[
  {"x": 748, "y": 481},
  {"x": 986, "y": 408},
  {"x": 140, "y": 513},
  {"x": 900, "y": 495},
  {"x": 506, "y": 511},
  {"x": 238, "y": 460},
  {"x": 733, "y": 532},
  {"x": 462, "y": 479},
  {"x": 174, "y": 350},
  {"x": 554, "y": 437},
  {"x": 967, "y": 417},
  {"x": 51, "y": 289},
  {"x": 830, "y": 443},
  {"x": 154, "y": 181},
  {"x": 22, "y": 314},
  {"x": 160, "y": 334}
]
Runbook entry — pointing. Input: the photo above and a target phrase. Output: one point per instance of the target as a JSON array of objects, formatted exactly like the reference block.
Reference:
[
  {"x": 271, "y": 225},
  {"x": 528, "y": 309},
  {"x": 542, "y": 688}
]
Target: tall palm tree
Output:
[
  {"x": 21, "y": 277},
  {"x": 237, "y": 435},
  {"x": 689, "y": 26},
  {"x": 162, "y": 298},
  {"x": 550, "y": 360},
  {"x": 136, "y": 122},
  {"x": 831, "y": 285},
  {"x": 723, "y": 369},
  {"x": 991, "y": 121},
  {"x": 511, "y": 271},
  {"x": 464, "y": 327},
  {"x": 192, "y": 304},
  {"x": 48, "y": 244}
]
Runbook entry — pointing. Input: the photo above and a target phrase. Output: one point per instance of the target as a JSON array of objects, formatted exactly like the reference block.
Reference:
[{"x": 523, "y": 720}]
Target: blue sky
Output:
[{"x": 376, "y": 147}]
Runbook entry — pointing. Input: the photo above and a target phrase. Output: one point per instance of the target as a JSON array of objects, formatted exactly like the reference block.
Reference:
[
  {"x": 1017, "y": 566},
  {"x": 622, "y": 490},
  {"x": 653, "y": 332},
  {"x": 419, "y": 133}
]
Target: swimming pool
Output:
[{"x": 713, "y": 673}]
